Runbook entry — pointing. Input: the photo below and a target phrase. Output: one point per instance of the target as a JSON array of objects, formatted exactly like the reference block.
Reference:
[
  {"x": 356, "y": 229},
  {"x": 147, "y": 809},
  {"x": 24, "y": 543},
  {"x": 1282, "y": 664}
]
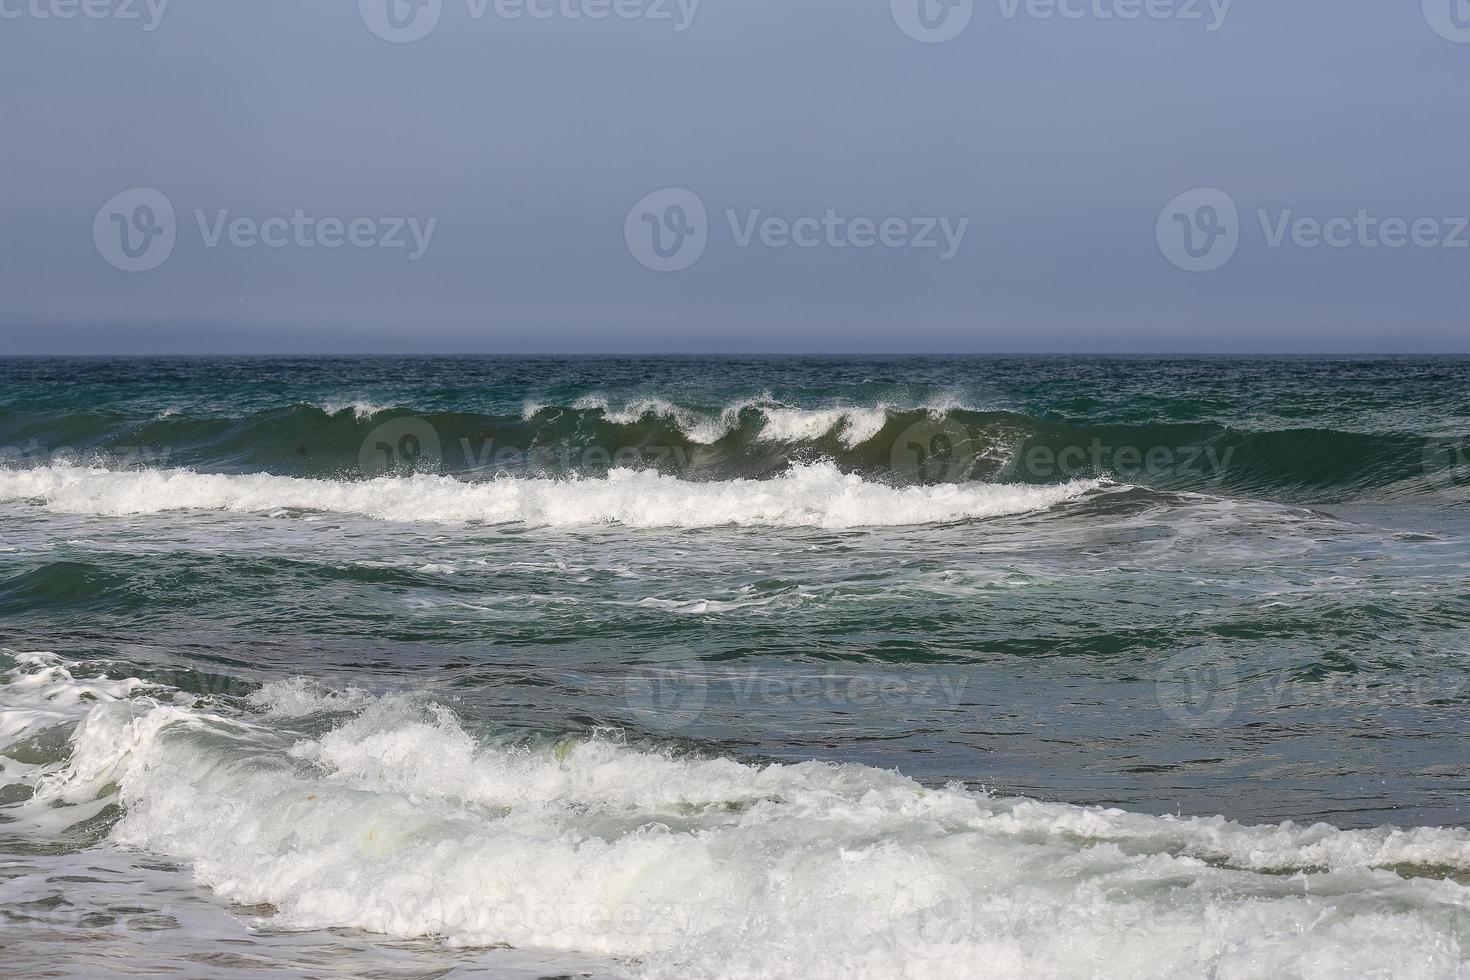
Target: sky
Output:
[{"x": 734, "y": 176}]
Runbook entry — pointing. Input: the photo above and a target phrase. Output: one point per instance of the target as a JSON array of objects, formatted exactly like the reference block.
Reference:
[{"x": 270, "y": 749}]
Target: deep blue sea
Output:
[{"x": 735, "y": 667}]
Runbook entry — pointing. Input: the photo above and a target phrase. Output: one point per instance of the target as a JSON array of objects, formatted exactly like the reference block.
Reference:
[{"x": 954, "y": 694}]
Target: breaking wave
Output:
[
  {"x": 816, "y": 495},
  {"x": 389, "y": 813},
  {"x": 753, "y": 438}
]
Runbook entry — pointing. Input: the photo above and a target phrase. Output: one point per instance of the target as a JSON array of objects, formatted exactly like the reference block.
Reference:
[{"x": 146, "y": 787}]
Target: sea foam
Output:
[
  {"x": 401, "y": 820},
  {"x": 814, "y": 495},
  {"x": 852, "y": 425}
]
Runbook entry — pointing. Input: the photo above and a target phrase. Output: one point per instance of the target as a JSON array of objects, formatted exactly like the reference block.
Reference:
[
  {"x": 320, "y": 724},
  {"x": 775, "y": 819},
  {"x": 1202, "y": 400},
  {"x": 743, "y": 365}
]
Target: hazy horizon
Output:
[{"x": 1047, "y": 176}]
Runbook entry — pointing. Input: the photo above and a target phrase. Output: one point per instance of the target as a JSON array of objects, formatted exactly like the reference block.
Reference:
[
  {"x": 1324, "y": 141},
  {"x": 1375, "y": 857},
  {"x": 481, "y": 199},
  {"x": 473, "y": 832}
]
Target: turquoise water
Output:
[{"x": 724, "y": 667}]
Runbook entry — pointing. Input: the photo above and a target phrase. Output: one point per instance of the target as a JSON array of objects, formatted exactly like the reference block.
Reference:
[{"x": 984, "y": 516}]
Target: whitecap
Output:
[{"x": 814, "y": 495}]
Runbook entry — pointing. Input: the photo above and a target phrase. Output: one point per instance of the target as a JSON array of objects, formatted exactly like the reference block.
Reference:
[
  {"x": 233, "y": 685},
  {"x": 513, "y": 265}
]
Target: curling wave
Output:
[{"x": 755, "y": 438}]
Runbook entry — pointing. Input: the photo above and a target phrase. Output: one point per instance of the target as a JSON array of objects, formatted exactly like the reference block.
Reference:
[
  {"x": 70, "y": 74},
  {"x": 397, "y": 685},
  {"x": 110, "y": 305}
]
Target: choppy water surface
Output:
[{"x": 883, "y": 668}]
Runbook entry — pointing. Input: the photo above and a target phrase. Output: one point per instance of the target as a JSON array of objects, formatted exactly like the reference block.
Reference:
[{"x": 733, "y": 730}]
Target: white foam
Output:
[
  {"x": 298, "y": 697},
  {"x": 400, "y": 822},
  {"x": 42, "y": 693},
  {"x": 701, "y": 607},
  {"x": 854, "y": 426},
  {"x": 695, "y": 426},
  {"x": 816, "y": 495},
  {"x": 630, "y": 412},
  {"x": 361, "y": 410}
]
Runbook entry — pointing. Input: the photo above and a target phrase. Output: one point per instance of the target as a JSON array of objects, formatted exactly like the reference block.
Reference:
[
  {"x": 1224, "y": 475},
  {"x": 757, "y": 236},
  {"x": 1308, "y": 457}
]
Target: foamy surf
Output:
[
  {"x": 852, "y": 425},
  {"x": 361, "y": 409},
  {"x": 814, "y": 495},
  {"x": 390, "y": 814}
]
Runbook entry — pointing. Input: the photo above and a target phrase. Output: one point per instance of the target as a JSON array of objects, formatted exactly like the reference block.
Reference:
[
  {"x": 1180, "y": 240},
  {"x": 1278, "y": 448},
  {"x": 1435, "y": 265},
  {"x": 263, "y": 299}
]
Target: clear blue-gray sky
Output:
[{"x": 517, "y": 146}]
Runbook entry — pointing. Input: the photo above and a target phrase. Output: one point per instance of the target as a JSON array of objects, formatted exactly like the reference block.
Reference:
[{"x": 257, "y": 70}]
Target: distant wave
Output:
[
  {"x": 815, "y": 495},
  {"x": 754, "y": 438},
  {"x": 766, "y": 419},
  {"x": 360, "y": 409}
]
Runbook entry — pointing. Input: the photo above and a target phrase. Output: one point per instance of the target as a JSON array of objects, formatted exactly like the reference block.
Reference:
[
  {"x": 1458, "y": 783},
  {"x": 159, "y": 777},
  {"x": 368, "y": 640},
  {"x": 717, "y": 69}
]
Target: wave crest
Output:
[
  {"x": 756, "y": 438},
  {"x": 816, "y": 495}
]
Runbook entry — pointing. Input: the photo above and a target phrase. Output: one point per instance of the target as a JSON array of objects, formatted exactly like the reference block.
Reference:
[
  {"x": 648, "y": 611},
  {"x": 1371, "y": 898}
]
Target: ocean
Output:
[{"x": 735, "y": 667}]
